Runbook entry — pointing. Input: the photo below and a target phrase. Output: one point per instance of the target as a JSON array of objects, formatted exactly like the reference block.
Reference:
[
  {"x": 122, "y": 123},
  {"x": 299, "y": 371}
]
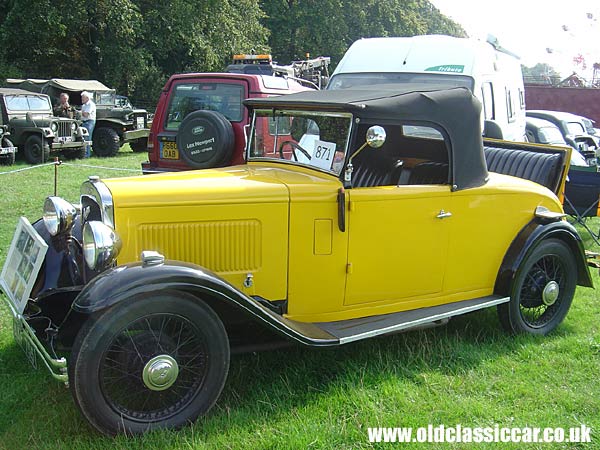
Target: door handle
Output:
[{"x": 444, "y": 214}]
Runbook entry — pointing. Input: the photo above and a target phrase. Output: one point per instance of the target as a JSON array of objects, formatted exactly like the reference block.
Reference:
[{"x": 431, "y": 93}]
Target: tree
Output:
[{"x": 541, "y": 73}]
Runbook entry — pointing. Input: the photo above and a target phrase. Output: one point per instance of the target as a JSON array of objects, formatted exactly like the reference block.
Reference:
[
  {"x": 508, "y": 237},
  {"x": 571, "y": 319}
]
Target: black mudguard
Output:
[
  {"x": 136, "y": 280},
  {"x": 531, "y": 235}
]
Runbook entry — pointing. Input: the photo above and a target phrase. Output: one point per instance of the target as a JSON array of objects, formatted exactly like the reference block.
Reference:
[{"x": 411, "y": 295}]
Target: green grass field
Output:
[{"x": 468, "y": 372}]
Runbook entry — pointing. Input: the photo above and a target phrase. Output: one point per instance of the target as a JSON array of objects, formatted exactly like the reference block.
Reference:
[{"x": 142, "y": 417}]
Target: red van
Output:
[{"x": 200, "y": 121}]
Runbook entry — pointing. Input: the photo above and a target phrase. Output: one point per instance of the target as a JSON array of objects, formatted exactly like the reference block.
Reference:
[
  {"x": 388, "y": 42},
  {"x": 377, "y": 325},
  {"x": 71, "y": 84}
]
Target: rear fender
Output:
[
  {"x": 528, "y": 238},
  {"x": 137, "y": 280}
]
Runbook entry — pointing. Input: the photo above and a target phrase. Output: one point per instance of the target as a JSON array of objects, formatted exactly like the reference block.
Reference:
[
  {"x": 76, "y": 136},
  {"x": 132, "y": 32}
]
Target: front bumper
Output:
[
  {"x": 133, "y": 135},
  {"x": 67, "y": 145},
  {"x": 20, "y": 272}
]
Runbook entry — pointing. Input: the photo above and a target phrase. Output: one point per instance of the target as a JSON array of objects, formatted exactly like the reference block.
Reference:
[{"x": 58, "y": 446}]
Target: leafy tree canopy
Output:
[{"x": 134, "y": 45}]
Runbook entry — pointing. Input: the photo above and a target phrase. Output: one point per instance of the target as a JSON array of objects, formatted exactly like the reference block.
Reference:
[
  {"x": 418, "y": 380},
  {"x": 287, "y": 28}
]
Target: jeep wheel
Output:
[
  {"x": 139, "y": 146},
  {"x": 36, "y": 149},
  {"x": 106, "y": 142},
  {"x": 542, "y": 291},
  {"x": 7, "y": 160},
  {"x": 156, "y": 361},
  {"x": 75, "y": 153},
  {"x": 205, "y": 139}
]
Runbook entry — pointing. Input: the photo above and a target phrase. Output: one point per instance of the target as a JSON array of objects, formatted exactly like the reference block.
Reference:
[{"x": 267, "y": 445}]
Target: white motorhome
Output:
[{"x": 492, "y": 73}]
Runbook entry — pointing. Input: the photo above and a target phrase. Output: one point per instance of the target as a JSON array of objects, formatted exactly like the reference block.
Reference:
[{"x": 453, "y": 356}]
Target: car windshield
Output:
[
  {"x": 106, "y": 98},
  {"x": 575, "y": 128},
  {"x": 319, "y": 140},
  {"x": 349, "y": 80},
  {"x": 225, "y": 98},
  {"x": 27, "y": 103},
  {"x": 551, "y": 135}
]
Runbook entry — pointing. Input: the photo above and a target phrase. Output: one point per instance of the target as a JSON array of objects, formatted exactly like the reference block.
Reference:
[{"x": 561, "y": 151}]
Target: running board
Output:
[
  {"x": 356, "y": 329},
  {"x": 326, "y": 334}
]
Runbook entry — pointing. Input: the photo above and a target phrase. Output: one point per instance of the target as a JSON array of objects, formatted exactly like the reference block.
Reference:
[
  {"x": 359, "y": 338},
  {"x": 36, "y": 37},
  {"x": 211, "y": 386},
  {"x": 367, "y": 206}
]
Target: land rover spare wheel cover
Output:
[{"x": 205, "y": 139}]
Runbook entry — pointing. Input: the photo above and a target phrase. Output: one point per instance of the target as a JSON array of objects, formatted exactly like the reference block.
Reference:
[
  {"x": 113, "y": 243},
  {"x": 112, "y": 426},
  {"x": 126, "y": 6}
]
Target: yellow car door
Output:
[{"x": 398, "y": 244}]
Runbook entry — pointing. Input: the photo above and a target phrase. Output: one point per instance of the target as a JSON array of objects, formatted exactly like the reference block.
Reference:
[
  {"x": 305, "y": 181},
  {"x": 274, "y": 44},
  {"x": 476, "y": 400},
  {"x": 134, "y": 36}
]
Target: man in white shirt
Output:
[{"x": 88, "y": 114}]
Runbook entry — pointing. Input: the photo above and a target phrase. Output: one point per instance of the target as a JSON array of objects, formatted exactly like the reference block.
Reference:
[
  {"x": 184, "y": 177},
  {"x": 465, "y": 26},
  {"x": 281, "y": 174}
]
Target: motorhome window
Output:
[
  {"x": 575, "y": 128},
  {"x": 189, "y": 97},
  {"x": 350, "y": 80},
  {"x": 487, "y": 92}
]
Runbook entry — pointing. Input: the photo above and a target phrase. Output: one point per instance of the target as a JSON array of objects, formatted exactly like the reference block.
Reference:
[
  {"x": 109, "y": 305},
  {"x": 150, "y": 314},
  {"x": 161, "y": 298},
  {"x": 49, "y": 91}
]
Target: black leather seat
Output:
[
  {"x": 540, "y": 168},
  {"x": 430, "y": 172},
  {"x": 376, "y": 173}
]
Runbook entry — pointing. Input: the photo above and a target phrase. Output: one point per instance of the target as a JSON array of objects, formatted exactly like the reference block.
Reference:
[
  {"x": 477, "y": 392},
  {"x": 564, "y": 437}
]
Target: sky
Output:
[{"x": 530, "y": 27}]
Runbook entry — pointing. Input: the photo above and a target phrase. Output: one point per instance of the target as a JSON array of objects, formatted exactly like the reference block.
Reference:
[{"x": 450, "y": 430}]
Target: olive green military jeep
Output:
[
  {"x": 116, "y": 123},
  {"x": 36, "y": 131}
]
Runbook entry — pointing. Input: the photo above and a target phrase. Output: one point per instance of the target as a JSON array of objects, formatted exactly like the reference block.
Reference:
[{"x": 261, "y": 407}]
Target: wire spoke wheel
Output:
[
  {"x": 154, "y": 367},
  {"x": 155, "y": 361},
  {"x": 542, "y": 290}
]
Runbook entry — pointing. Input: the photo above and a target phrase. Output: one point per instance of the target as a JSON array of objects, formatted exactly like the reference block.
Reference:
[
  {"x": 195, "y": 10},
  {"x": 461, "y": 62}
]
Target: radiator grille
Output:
[
  {"x": 64, "y": 128},
  {"x": 223, "y": 246}
]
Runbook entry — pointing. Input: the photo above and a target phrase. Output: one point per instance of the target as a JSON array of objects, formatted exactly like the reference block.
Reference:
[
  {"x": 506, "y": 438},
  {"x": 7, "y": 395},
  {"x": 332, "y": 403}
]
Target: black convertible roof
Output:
[{"x": 455, "y": 111}]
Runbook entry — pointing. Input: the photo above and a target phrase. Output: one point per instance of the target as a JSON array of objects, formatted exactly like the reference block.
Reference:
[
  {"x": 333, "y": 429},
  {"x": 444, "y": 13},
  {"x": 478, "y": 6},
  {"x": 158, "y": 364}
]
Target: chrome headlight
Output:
[
  {"x": 73, "y": 126},
  {"x": 54, "y": 127},
  {"x": 59, "y": 215},
  {"x": 101, "y": 245}
]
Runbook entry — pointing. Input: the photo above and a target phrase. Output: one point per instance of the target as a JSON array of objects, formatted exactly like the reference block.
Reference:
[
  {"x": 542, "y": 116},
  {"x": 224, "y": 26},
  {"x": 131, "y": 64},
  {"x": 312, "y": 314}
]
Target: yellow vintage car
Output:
[{"x": 359, "y": 213}]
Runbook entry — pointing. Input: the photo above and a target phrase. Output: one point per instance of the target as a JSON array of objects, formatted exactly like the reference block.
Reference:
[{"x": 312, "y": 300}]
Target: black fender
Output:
[
  {"x": 531, "y": 235},
  {"x": 136, "y": 279}
]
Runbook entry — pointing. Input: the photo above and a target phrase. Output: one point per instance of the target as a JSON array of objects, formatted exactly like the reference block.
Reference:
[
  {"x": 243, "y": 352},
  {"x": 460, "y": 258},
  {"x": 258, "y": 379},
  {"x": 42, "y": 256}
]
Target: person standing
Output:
[
  {"x": 64, "y": 109},
  {"x": 88, "y": 115}
]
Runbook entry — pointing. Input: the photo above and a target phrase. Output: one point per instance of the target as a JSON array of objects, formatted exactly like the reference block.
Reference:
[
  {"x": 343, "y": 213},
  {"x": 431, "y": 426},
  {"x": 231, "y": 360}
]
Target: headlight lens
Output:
[
  {"x": 73, "y": 126},
  {"x": 59, "y": 215},
  {"x": 101, "y": 245},
  {"x": 54, "y": 127}
]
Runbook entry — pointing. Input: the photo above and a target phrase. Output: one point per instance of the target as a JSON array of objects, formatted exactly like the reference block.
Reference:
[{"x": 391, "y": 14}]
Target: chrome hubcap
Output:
[
  {"x": 160, "y": 373},
  {"x": 550, "y": 294}
]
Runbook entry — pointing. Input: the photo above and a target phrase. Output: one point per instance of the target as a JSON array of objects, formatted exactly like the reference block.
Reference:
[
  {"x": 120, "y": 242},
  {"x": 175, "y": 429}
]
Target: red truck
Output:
[{"x": 200, "y": 121}]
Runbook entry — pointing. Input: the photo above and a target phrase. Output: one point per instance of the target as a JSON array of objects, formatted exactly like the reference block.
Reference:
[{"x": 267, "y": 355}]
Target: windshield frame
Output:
[
  {"x": 393, "y": 78},
  {"x": 271, "y": 112},
  {"x": 29, "y": 109}
]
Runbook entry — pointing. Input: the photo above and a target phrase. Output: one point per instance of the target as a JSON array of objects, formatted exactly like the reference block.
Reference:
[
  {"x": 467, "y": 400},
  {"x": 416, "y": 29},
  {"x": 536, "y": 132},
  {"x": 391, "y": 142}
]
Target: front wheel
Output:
[
  {"x": 542, "y": 291},
  {"x": 106, "y": 142},
  {"x": 37, "y": 150},
  {"x": 148, "y": 363}
]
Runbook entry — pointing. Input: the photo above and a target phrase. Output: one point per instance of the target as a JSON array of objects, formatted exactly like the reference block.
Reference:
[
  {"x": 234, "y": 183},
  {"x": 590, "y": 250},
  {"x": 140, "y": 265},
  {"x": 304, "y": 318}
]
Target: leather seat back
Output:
[{"x": 540, "y": 168}]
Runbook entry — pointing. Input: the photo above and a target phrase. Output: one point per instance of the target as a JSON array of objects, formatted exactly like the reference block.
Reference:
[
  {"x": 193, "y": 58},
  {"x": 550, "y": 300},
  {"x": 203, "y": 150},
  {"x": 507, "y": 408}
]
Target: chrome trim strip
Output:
[{"x": 422, "y": 321}]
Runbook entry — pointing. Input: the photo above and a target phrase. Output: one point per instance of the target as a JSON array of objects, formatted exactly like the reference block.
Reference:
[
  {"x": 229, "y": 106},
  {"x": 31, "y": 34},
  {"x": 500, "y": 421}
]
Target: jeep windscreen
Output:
[
  {"x": 225, "y": 98},
  {"x": 575, "y": 128},
  {"x": 37, "y": 103},
  {"x": 350, "y": 80},
  {"x": 106, "y": 99},
  {"x": 319, "y": 140}
]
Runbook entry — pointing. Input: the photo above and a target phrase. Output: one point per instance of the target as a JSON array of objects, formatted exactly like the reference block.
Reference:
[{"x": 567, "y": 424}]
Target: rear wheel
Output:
[
  {"x": 139, "y": 146},
  {"x": 542, "y": 291},
  {"x": 151, "y": 362},
  {"x": 106, "y": 142},
  {"x": 37, "y": 150},
  {"x": 7, "y": 160}
]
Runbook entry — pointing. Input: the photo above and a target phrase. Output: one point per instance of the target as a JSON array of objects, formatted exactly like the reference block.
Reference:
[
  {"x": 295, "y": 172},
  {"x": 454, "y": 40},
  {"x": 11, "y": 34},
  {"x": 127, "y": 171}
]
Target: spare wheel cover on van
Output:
[{"x": 205, "y": 139}]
